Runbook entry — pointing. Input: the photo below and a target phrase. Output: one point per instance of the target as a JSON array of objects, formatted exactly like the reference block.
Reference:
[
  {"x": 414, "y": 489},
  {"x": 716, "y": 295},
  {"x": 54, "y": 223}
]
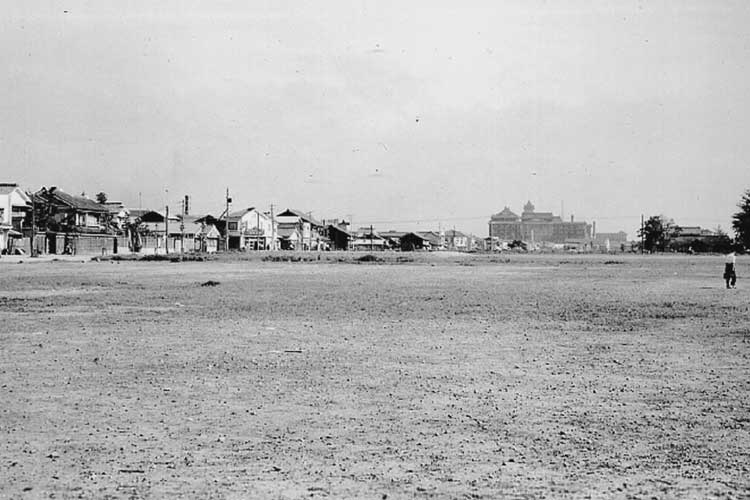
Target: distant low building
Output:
[
  {"x": 393, "y": 237},
  {"x": 611, "y": 242},
  {"x": 152, "y": 231},
  {"x": 436, "y": 239},
  {"x": 368, "y": 239},
  {"x": 697, "y": 239},
  {"x": 457, "y": 241},
  {"x": 339, "y": 236},
  {"x": 414, "y": 241},
  {"x": 536, "y": 227},
  {"x": 206, "y": 237}
]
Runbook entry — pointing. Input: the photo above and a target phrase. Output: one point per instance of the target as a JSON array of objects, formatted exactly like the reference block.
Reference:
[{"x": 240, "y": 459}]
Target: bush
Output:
[{"x": 369, "y": 258}]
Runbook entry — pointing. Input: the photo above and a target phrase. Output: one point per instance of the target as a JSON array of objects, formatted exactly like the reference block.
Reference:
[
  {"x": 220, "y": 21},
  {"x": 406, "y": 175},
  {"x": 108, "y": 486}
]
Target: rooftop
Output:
[
  {"x": 293, "y": 212},
  {"x": 77, "y": 202}
]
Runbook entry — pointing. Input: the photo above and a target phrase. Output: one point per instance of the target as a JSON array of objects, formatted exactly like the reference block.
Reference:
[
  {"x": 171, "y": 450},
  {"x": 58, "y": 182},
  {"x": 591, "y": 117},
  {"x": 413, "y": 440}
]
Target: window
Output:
[{"x": 233, "y": 226}]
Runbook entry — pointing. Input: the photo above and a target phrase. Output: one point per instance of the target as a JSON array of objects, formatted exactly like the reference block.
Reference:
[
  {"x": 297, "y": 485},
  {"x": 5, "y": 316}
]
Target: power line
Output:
[{"x": 365, "y": 221}]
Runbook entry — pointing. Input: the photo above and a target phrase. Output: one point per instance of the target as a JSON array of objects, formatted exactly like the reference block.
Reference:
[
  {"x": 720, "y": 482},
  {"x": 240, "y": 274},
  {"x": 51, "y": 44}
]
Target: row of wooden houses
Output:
[{"x": 51, "y": 220}]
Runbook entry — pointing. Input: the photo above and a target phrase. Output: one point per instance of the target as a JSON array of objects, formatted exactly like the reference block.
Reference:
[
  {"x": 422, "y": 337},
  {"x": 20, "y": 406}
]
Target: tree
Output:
[
  {"x": 101, "y": 197},
  {"x": 657, "y": 231},
  {"x": 741, "y": 221}
]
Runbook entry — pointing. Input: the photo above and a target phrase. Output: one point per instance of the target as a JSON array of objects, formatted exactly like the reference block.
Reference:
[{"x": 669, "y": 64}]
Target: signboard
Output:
[{"x": 254, "y": 232}]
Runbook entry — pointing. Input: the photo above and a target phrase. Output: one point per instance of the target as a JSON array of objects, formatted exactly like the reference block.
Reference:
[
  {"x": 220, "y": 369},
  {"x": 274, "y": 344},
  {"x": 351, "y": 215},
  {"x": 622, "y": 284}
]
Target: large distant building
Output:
[{"x": 537, "y": 227}]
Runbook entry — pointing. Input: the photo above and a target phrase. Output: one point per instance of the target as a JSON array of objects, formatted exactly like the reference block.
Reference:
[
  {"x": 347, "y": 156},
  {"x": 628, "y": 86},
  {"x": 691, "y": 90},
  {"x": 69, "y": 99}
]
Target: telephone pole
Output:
[
  {"x": 309, "y": 233},
  {"x": 273, "y": 230},
  {"x": 166, "y": 230},
  {"x": 182, "y": 228},
  {"x": 350, "y": 245},
  {"x": 33, "y": 226}
]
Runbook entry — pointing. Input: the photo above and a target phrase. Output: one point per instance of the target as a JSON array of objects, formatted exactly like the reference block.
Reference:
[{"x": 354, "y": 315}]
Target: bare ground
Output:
[{"x": 468, "y": 378}]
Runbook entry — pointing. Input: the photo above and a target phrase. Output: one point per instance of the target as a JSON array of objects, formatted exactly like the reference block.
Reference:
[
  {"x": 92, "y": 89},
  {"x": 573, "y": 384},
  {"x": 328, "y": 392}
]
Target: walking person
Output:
[{"x": 730, "y": 275}]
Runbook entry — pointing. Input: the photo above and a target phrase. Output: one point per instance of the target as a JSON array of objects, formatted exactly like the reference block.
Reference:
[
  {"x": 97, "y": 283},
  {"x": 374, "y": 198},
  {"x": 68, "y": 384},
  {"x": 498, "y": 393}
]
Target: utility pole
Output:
[
  {"x": 273, "y": 230},
  {"x": 371, "y": 237},
  {"x": 309, "y": 234},
  {"x": 226, "y": 223},
  {"x": 350, "y": 245},
  {"x": 166, "y": 230},
  {"x": 182, "y": 228},
  {"x": 33, "y": 226}
]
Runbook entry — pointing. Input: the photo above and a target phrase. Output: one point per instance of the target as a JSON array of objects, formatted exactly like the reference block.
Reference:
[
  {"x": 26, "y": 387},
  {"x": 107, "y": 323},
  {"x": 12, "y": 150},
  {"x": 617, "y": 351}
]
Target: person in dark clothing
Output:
[{"x": 730, "y": 275}]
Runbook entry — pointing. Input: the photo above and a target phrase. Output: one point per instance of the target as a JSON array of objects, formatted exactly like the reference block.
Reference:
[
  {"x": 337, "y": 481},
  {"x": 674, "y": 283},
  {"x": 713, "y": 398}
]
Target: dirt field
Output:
[{"x": 624, "y": 377}]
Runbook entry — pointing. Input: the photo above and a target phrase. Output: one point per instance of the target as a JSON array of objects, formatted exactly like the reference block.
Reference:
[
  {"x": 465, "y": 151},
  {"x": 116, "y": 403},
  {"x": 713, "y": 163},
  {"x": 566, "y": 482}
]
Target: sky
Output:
[{"x": 406, "y": 115}]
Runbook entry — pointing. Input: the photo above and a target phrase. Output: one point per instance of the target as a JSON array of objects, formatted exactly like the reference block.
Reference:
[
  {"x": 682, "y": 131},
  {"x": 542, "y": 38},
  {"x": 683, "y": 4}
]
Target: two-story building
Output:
[
  {"x": 59, "y": 211},
  {"x": 298, "y": 230},
  {"x": 251, "y": 229}
]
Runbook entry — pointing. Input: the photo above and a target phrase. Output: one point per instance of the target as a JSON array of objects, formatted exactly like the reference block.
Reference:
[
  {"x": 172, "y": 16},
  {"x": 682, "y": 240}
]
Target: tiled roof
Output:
[
  {"x": 240, "y": 213},
  {"x": 336, "y": 228},
  {"x": 189, "y": 219},
  {"x": 208, "y": 218},
  {"x": 418, "y": 235},
  {"x": 76, "y": 202},
  {"x": 138, "y": 212},
  {"x": 299, "y": 213},
  {"x": 452, "y": 233},
  {"x": 430, "y": 236}
]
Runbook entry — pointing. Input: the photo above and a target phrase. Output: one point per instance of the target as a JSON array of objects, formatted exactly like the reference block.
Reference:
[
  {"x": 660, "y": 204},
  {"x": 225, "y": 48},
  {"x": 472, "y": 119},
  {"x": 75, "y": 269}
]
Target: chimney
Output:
[
  {"x": 571, "y": 217},
  {"x": 593, "y": 229}
]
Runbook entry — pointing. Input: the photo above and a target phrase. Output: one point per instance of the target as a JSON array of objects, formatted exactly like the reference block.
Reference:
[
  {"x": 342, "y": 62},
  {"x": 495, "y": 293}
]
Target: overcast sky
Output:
[{"x": 438, "y": 112}]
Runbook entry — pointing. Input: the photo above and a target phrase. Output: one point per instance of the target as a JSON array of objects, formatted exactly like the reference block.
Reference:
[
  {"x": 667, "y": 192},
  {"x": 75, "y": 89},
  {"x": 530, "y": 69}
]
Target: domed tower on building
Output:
[{"x": 505, "y": 225}]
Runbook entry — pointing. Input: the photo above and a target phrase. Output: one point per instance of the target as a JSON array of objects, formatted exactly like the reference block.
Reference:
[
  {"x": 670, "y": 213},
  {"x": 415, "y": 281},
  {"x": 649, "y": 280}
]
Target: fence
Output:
[{"x": 77, "y": 244}]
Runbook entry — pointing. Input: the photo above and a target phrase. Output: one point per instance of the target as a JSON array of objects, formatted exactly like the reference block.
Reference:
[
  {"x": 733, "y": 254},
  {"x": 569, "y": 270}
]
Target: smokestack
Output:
[
  {"x": 593, "y": 229},
  {"x": 571, "y": 217}
]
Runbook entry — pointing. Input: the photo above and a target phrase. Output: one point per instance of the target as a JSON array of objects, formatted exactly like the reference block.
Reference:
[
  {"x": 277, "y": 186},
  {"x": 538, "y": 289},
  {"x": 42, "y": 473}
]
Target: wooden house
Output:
[
  {"x": 414, "y": 241},
  {"x": 368, "y": 239},
  {"x": 339, "y": 237},
  {"x": 59, "y": 211},
  {"x": 300, "y": 231}
]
